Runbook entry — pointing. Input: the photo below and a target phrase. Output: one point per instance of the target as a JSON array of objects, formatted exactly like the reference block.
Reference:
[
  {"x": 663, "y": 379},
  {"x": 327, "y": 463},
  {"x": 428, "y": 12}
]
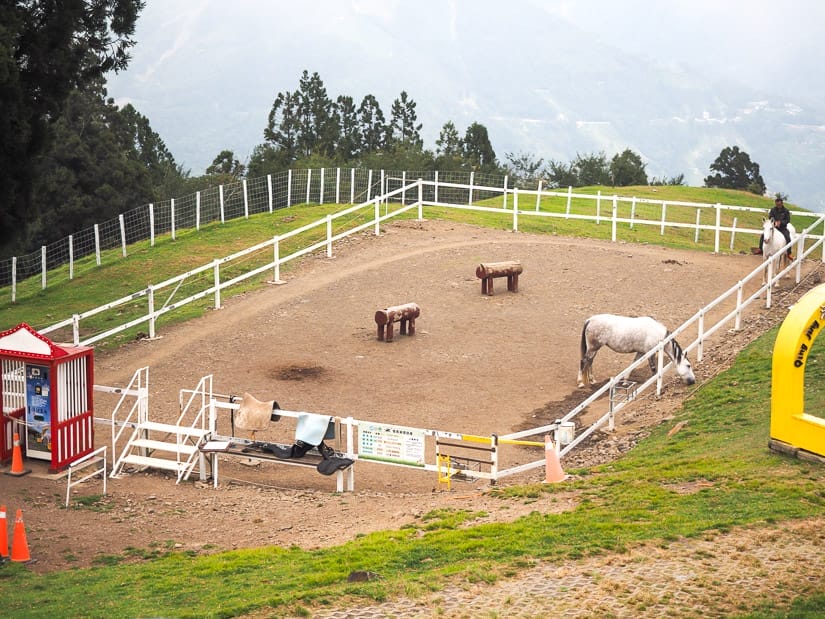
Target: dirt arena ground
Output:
[{"x": 477, "y": 364}]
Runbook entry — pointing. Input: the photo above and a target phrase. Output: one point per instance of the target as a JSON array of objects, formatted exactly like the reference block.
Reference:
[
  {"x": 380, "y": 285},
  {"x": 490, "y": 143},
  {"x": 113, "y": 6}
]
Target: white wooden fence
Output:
[
  {"x": 724, "y": 312},
  {"x": 370, "y": 215}
]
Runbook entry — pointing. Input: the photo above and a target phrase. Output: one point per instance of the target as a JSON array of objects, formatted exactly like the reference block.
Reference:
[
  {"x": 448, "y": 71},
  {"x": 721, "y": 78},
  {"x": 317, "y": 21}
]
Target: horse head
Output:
[{"x": 683, "y": 368}]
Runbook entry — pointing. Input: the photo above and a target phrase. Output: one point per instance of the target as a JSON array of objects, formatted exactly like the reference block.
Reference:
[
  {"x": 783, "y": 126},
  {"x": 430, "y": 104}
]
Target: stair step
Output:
[
  {"x": 182, "y": 448},
  {"x": 171, "y": 428},
  {"x": 156, "y": 463}
]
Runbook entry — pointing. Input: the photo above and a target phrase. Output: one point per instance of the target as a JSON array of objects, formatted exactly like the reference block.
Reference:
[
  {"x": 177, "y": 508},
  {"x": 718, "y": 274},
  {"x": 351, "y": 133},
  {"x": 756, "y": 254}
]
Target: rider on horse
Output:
[{"x": 781, "y": 217}]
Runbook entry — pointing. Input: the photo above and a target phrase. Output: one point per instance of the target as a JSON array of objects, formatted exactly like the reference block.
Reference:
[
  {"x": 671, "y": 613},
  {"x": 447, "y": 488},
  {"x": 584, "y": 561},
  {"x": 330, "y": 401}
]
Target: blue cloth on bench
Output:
[{"x": 312, "y": 428}]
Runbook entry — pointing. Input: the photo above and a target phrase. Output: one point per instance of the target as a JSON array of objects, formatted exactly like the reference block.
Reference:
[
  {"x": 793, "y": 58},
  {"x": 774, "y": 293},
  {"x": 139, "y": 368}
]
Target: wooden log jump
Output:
[
  {"x": 405, "y": 314},
  {"x": 487, "y": 271}
]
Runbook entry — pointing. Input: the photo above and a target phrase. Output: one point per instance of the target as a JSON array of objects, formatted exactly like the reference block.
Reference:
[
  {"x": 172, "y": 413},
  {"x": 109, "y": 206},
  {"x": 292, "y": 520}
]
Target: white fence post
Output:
[
  {"x": 71, "y": 257},
  {"x": 269, "y": 191},
  {"x": 289, "y": 187},
  {"x": 515, "y": 209},
  {"x": 404, "y": 185},
  {"x": 369, "y": 187},
  {"x": 321, "y": 191},
  {"x": 538, "y": 196},
  {"x": 122, "y": 234},
  {"x": 43, "y": 267},
  {"x": 309, "y": 183},
  {"x": 276, "y": 254},
  {"x": 197, "y": 210},
  {"x": 151, "y": 224},
  {"x": 718, "y": 231},
  {"x": 504, "y": 192},
  {"x": 664, "y": 218},
  {"x": 615, "y": 211},
  {"x": 377, "y": 215},
  {"x": 329, "y": 236},
  {"x": 14, "y": 279},
  {"x": 150, "y": 295},
  {"x": 352, "y": 185},
  {"x": 420, "y": 199},
  {"x": 700, "y": 336},
  {"x": 632, "y": 211},
  {"x": 97, "y": 244},
  {"x": 740, "y": 287},
  {"x": 698, "y": 215},
  {"x": 76, "y": 329},
  {"x": 569, "y": 199},
  {"x": 245, "y": 200},
  {"x": 172, "y": 215},
  {"x": 472, "y": 180},
  {"x": 337, "y": 185},
  {"x": 435, "y": 199},
  {"x": 220, "y": 203},
  {"x": 733, "y": 233},
  {"x": 216, "y": 269},
  {"x": 382, "y": 187},
  {"x": 598, "y": 207}
]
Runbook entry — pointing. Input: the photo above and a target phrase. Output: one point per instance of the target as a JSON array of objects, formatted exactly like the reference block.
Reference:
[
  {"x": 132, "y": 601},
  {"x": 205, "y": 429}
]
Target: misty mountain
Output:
[{"x": 539, "y": 84}]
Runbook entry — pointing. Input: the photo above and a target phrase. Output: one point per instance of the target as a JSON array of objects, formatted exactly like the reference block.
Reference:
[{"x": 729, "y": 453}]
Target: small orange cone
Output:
[
  {"x": 19, "y": 545},
  {"x": 4, "y": 534},
  {"x": 552, "y": 466},
  {"x": 17, "y": 459}
]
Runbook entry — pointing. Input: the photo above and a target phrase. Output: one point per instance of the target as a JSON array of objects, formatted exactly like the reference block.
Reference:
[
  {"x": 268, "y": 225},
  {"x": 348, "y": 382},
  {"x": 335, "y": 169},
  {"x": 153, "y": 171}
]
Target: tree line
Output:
[{"x": 70, "y": 158}]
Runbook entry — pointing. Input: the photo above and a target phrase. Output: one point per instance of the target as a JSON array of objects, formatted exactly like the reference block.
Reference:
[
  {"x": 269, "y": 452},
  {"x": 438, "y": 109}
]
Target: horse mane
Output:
[{"x": 676, "y": 353}]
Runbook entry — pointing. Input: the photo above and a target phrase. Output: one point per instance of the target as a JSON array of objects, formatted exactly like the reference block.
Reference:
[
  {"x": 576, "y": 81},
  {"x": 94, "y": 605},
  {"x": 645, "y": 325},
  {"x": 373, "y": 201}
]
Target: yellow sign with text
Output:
[{"x": 796, "y": 336}]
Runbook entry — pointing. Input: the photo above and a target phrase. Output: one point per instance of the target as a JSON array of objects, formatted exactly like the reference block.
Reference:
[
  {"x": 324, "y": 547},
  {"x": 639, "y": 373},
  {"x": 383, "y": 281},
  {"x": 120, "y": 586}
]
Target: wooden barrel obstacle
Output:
[
  {"x": 488, "y": 271},
  {"x": 405, "y": 314}
]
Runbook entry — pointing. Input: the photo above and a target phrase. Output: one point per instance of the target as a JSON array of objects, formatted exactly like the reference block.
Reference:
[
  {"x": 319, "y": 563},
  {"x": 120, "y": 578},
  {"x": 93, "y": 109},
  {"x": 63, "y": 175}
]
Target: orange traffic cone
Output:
[
  {"x": 19, "y": 545},
  {"x": 552, "y": 466},
  {"x": 4, "y": 534},
  {"x": 17, "y": 459}
]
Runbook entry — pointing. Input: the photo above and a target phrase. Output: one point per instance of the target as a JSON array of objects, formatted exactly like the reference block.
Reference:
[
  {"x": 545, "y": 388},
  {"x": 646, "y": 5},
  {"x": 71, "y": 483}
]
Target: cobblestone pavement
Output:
[{"x": 719, "y": 575}]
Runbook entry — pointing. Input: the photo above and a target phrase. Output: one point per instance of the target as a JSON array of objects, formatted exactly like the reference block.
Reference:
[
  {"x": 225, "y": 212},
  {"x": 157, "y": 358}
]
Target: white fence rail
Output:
[
  {"x": 109, "y": 241},
  {"x": 370, "y": 215}
]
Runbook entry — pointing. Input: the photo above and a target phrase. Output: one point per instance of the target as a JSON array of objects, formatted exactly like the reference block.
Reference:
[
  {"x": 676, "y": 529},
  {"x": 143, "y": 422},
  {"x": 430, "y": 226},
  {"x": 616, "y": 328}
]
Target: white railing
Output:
[
  {"x": 371, "y": 216},
  {"x": 109, "y": 241}
]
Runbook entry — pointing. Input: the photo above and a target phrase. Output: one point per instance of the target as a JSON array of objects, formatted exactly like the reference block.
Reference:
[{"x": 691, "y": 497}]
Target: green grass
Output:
[{"x": 632, "y": 500}]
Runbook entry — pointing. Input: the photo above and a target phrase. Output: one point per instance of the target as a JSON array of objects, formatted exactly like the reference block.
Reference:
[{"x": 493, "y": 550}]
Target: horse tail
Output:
[{"x": 583, "y": 346}]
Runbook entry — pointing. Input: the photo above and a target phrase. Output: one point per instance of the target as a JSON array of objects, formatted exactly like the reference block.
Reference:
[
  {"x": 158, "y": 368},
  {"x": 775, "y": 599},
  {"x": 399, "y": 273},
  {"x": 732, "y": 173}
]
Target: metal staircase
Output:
[
  {"x": 167, "y": 446},
  {"x": 176, "y": 450}
]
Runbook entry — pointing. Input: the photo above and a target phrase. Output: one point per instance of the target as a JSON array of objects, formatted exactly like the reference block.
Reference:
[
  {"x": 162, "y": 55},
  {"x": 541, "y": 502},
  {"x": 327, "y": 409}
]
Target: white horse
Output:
[
  {"x": 773, "y": 242},
  {"x": 626, "y": 334}
]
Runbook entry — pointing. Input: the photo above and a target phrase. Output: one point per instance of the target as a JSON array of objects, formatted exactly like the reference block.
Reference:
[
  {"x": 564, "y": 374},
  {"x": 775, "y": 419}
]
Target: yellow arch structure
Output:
[{"x": 791, "y": 428}]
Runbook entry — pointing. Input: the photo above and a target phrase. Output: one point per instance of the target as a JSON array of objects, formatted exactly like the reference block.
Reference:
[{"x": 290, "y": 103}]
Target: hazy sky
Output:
[{"x": 195, "y": 55}]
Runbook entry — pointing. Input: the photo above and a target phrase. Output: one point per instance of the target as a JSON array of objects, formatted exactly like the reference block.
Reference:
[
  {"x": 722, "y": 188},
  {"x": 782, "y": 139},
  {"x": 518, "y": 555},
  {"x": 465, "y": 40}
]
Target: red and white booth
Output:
[{"x": 46, "y": 394}]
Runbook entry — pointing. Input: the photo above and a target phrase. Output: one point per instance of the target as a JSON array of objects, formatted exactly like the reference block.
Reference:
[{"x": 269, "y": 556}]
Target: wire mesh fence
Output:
[{"x": 62, "y": 260}]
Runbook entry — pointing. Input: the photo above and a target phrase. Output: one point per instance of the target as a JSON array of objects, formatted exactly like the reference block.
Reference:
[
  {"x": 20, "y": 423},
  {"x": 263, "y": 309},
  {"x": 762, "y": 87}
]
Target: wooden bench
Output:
[
  {"x": 487, "y": 271},
  {"x": 405, "y": 314}
]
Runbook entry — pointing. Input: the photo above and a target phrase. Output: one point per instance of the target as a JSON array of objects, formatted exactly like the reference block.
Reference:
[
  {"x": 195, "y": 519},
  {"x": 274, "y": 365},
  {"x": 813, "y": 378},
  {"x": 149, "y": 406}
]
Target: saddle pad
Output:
[
  {"x": 330, "y": 465},
  {"x": 312, "y": 428}
]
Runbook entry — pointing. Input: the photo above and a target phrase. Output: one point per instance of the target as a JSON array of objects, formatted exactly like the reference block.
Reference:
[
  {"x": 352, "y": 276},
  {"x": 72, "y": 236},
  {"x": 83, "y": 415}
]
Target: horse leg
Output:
[
  {"x": 583, "y": 370},
  {"x": 586, "y": 367},
  {"x": 651, "y": 362}
]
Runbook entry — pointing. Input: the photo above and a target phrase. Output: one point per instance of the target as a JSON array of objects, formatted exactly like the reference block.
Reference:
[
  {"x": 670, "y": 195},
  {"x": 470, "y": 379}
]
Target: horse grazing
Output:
[
  {"x": 625, "y": 334},
  {"x": 773, "y": 241}
]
